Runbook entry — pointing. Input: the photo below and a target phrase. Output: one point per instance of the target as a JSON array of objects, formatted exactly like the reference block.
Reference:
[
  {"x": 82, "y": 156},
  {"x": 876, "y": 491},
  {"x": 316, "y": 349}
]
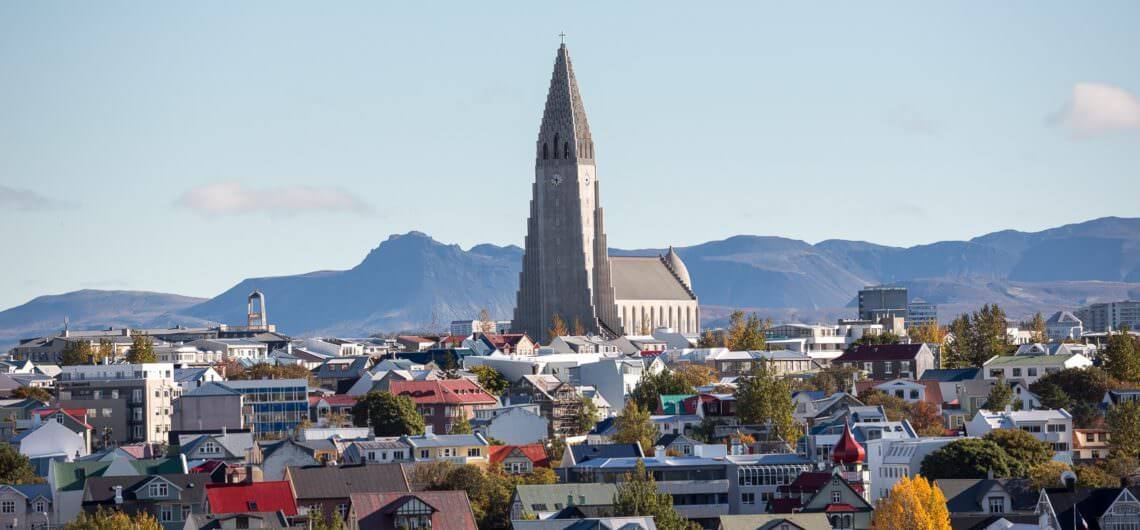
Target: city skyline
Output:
[{"x": 125, "y": 130}]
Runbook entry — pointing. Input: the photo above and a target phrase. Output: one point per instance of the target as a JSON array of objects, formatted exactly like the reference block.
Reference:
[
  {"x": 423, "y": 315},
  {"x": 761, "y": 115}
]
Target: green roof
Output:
[
  {"x": 807, "y": 521},
  {"x": 553, "y": 497},
  {"x": 71, "y": 476},
  {"x": 671, "y": 403}
]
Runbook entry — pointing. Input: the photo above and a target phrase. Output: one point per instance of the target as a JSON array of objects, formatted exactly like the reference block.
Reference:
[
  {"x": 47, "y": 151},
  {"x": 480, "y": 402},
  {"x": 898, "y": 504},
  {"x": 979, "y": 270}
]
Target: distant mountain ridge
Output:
[{"x": 410, "y": 281}]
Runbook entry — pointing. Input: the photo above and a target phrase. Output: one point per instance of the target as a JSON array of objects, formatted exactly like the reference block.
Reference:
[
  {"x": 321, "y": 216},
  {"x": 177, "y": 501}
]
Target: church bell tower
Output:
[{"x": 566, "y": 265}]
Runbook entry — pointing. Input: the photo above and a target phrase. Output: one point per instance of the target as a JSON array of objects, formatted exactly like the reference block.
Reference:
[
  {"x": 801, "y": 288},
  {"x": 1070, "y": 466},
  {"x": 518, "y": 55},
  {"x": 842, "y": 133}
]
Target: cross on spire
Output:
[{"x": 562, "y": 36}]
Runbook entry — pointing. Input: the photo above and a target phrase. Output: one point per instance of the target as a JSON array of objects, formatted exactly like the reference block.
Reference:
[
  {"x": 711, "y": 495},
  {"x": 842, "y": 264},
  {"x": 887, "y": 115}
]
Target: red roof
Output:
[
  {"x": 256, "y": 497},
  {"x": 534, "y": 452},
  {"x": 207, "y": 467},
  {"x": 450, "y": 510},
  {"x": 79, "y": 415},
  {"x": 446, "y": 391},
  {"x": 335, "y": 400},
  {"x": 848, "y": 450},
  {"x": 839, "y": 508}
]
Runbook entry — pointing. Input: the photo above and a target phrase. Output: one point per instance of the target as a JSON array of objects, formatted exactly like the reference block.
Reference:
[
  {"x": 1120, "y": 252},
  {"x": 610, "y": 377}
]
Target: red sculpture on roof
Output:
[{"x": 847, "y": 450}]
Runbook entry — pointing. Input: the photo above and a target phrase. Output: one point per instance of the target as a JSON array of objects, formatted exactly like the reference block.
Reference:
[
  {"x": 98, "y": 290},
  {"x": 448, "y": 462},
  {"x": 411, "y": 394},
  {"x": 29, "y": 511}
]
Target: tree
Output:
[
  {"x": 490, "y": 379},
  {"x": 319, "y": 520},
  {"x": 76, "y": 352},
  {"x": 486, "y": 325},
  {"x": 1037, "y": 328},
  {"x": 233, "y": 370},
  {"x": 834, "y": 378},
  {"x": 1001, "y": 396},
  {"x": 541, "y": 475},
  {"x": 1124, "y": 427},
  {"x": 557, "y": 327},
  {"x": 40, "y": 394},
  {"x": 1051, "y": 395},
  {"x": 388, "y": 415},
  {"x": 105, "y": 351},
  {"x": 925, "y": 418},
  {"x": 637, "y": 496},
  {"x": 1086, "y": 415},
  {"x": 142, "y": 350},
  {"x": 885, "y": 337},
  {"x": 1047, "y": 474},
  {"x": 579, "y": 329},
  {"x": 928, "y": 333},
  {"x": 746, "y": 332},
  {"x": 914, "y": 504},
  {"x": 976, "y": 338},
  {"x": 762, "y": 398},
  {"x": 104, "y": 519},
  {"x": 462, "y": 426},
  {"x": 555, "y": 449},
  {"x": 695, "y": 375},
  {"x": 1025, "y": 452},
  {"x": 1121, "y": 356},
  {"x": 587, "y": 416},
  {"x": 489, "y": 492},
  {"x": 15, "y": 468},
  {"x": 633, "y": 425},
  {"x": 1081, "y": 385},
  {"x": 1094, "y": 476},
  {"x": 966, "y": 458},
  {"x": 649, "y": 390},
  {"x": 712, "y": 339}
]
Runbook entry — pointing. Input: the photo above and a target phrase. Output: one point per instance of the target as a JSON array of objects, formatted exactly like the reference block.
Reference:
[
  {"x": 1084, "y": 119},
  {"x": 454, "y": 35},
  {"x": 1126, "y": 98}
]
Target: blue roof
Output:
[
  {"x": 32, "y": 491},
  {"x": 651, "y": 462},
  {"x": 584, "y": 452},
  {"x": 181, "y": 375},
  {"x": 949, "y": 375},
  {"x": 813, "y": 394},
  {"x": 602, "y": 426}
]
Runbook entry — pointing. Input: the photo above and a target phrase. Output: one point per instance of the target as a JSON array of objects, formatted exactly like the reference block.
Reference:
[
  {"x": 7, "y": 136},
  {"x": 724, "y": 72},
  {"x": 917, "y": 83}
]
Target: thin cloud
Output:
[
  {"x": 28, "y": 200},
  {"x": 909, "y": 121},
  {"x": 232, "y": 198},
  {"x": 1097, "y": 108}
]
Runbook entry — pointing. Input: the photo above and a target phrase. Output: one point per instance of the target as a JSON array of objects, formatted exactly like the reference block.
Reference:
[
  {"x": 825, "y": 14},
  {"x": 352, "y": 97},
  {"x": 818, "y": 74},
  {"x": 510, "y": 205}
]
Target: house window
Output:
[
  {"x": 473, "y": 452},
  {"x": 914, "y": 394},
  {"x": 869, "y": 367},
  {"x": 210, "y": 448},
  {"x": 748, "y": 498},
  {"x": 1032, "y": 372},
  {"x": 342, "y": 509},
  {"x": 887, "y": 367},
  {"x": 166, "y": 513},
  {"x": 8, "y": 507},
  {"x": 1017, "y": 372},
  {"x": 997, "y": 504},
  {"x": 40, "y": 506},
  {"x": 835, "y": 496},
  {"x": 424, "y": 453},
  {"x": 158, "y": 489},
  {"x": 997, "y": 372},
  {"x": 1058, "y": 427}
]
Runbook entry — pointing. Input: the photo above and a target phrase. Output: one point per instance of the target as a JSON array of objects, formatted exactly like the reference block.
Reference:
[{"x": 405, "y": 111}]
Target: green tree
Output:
[
  {"x": 319, "y": 520},
  {"x": 885, "y": 337},
  {"x": 966, "y": 458},
  {"x": 712, "y": 339},
  {"x": 746, "y": 332},
  {"x": 834, "y": 378},
  {"x": 976, "y": 338},
  {"x": 1037, "y": 328},
  {"x": 956, "y": 349},
  {"x": 587, "y": 416},
  {"x": 105, "y": 519},
  {"x": 40, "y": 394},
  {"x": 490, "y": 379},
  {"x": 1025, "y": 452},
  {"x": 105, "y": 351},
  {"x": 1121, "y": 356},
  {"x": 649, "y": 390},
  {"x": 460, "y": 427},
  {"x": 15, "y": 468},
  {"x": 76, "y": 352},
  {"x": 142, "y": 350},
  {"x": 1052, "y": 397},
  {"x": 1081, "y": 385},
  {"x": 1047, "y": 475},
  {"x": 634, "y": 425},
  {"x": 387, "y": 414},
  {"x": 489, "y": 492},
  {"x": 637, "y": 496},
  {"x": 1124, "y": 427},
  {"x": 928, "y": 333},
  {"x": 1094, "y": 476},
  {"x": 763, "y": 398},
  {"x": 1001, "y": 396}
]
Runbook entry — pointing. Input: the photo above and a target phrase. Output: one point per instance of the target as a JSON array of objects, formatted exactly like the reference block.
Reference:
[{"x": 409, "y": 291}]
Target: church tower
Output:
[{"x": 566, "y": 267}]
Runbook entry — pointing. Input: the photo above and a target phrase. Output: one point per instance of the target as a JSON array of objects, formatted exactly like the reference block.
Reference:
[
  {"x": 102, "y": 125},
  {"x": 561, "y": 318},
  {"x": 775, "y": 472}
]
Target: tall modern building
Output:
[
  {"x": 125, "y": 403},
  {"x": 881, "y": 301},
  {"x": 919, "y": 312},
  {"x": 1110, "y": 316},
  {"x": 567, "y": 270}
]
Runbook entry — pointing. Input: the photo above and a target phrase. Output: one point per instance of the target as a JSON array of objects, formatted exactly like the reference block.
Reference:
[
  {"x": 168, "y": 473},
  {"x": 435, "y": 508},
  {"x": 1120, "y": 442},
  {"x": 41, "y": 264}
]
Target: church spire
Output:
[{"x": 564, "y": 132}]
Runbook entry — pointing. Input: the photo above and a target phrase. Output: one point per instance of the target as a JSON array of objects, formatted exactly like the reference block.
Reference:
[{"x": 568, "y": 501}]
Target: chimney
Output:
[
  {"x": 126, "y": 332},
  {"x": 429, "y": 430},
  {"x": 118, "y": 495},
  {"x": 659, "y": 451}
]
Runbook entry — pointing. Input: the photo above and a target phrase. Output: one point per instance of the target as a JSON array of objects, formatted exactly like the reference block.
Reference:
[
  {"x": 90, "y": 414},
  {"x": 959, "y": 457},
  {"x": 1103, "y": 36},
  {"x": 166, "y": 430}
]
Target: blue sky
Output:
[{"x": 181, "y": 148}]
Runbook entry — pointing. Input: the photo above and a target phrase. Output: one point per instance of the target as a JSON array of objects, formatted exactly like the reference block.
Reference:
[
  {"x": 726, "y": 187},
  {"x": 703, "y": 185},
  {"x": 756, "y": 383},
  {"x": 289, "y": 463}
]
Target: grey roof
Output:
[
  {"x": 1063, "y": 316},
  {"x": 967, "y": 495},
  {"x": 766, "y": 521},
  {"x": 949, "y": 375},
  {"x": 182, "y": 375},
  {"x": 599, "y": 523},
  {"x": 31, "y": 491},
  {"x": 584, "y": 452},
  {"x": 251, "y": 520},
  {"x": 338, "y": 482},
  {"x": 444, "y": 440},
  {"x": 212, "y": 388},
  {"x": 265, "y": 383},
  {"x": 553, "y": 497},
  {"x": 237, "y": 444},
  {"x": 645, "y": 278},
  {"x": 101, "y": 490}
]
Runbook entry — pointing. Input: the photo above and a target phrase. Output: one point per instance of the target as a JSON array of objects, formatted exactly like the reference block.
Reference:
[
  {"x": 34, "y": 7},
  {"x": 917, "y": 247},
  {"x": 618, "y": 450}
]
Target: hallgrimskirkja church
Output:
[{"x": 567, "y": 270}]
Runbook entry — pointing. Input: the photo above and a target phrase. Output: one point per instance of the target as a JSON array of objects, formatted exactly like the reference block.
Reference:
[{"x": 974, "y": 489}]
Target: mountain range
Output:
[{"x": 411, "y": 281}]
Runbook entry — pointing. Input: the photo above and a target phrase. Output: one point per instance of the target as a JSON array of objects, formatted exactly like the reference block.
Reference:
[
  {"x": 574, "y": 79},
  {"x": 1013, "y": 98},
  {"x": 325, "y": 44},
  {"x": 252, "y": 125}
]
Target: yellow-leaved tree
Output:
[{"x": 915, "y": 504}]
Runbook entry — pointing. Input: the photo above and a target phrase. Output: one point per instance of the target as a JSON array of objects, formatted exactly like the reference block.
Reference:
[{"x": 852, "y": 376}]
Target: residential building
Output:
[
  {"x": 881, "y": 301},
  {"x": 974, "y": 498},
  {"x": 919, "y": 313},
  {"x": 329, "y": 488},
  {"x": 188, "y": 379},
  {"x": 1029, "y": 368},
  {"x": 753, "y": 479},
  {"x": 512, "y": 424},
  {"x": 581, "y": 453},
  {"x": 820, "y": 342},
  {"x": 891, "y": 460},
  {"x": 124, "y": 402},
  {"x": 50, "y": 439},
  {"x": 781, "y": 521},
  {"x": 337, "y": 371},
  {"x": 889, "y": 361},
  {"x": 421, "y": 509},
  {"x": 323, "y": 409},
  {"x": 415, "y": 343},
  {"x": 283, "y": 454},
  {"x": 543, "y": 501},
  {"x": 1052, "y": 426},
  {"x": 1107, "y": 508},
  {"x": 68, "y": 479},
  {"x": 170, "y": 498},
  {"x": 569, "y": 519},
  {"x": 508, "y": 343},
  {"x": 233, "y": 349},
  {"x": 381, "y": 450},
  {"x": 1090, "y": 444},
  {"x": 558, "y": 401},
  {"x": 1063, "y": 325},
  {"x": 234, "y": 521},
  {"x": 454, "y": 448},
  {"x": 518, "y": 459},
  {"x": 1110, "y": 316},
  {"x": 828, "y": 493},
  {"x": 443, "y": 403},
  {"x": 211, "y": 407},
  {"x": 272, "y": 407},
  {"x": 270, "y": 496},
  {"x": 27, "y": 507},
  {"x": 231, "y": 447}
]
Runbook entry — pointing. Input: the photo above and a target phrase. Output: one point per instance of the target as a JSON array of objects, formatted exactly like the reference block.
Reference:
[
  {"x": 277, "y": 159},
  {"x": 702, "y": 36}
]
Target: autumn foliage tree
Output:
[
  {"x": 105, "y": 519},
  {"x": 637, "y": 496},
  {"x": 763, "y": 398},
  {"x": 142, "y": 350},
  {"x": 746, "y": 331},
  {"x": 914, "y": 504},
  {"x": 634, "y": 425}
]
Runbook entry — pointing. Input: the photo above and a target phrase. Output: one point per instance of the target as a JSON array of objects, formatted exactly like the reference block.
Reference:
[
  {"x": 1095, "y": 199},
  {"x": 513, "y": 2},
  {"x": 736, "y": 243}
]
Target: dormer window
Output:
[{"x": 158, "y": 489}]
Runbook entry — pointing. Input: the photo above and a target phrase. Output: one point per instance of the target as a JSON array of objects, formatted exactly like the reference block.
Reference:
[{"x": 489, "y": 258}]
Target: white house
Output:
[
  {"x": 1052, "y": 426},
  {"x": 51, "y": 439},
  {"x": 1063, "y": 325},
  {"x": 512, "y": 424},
  {"x": 889, "y": 460},
  {"x": 1030, "y": 368}
]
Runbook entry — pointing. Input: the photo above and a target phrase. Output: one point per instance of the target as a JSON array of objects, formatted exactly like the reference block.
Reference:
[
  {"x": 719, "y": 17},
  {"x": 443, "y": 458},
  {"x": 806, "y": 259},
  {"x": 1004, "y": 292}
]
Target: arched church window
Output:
[
  {"x": 565, "y": 149},
  {"x": 544, "y": 154},
  {"x": 555, "y": 145}
]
